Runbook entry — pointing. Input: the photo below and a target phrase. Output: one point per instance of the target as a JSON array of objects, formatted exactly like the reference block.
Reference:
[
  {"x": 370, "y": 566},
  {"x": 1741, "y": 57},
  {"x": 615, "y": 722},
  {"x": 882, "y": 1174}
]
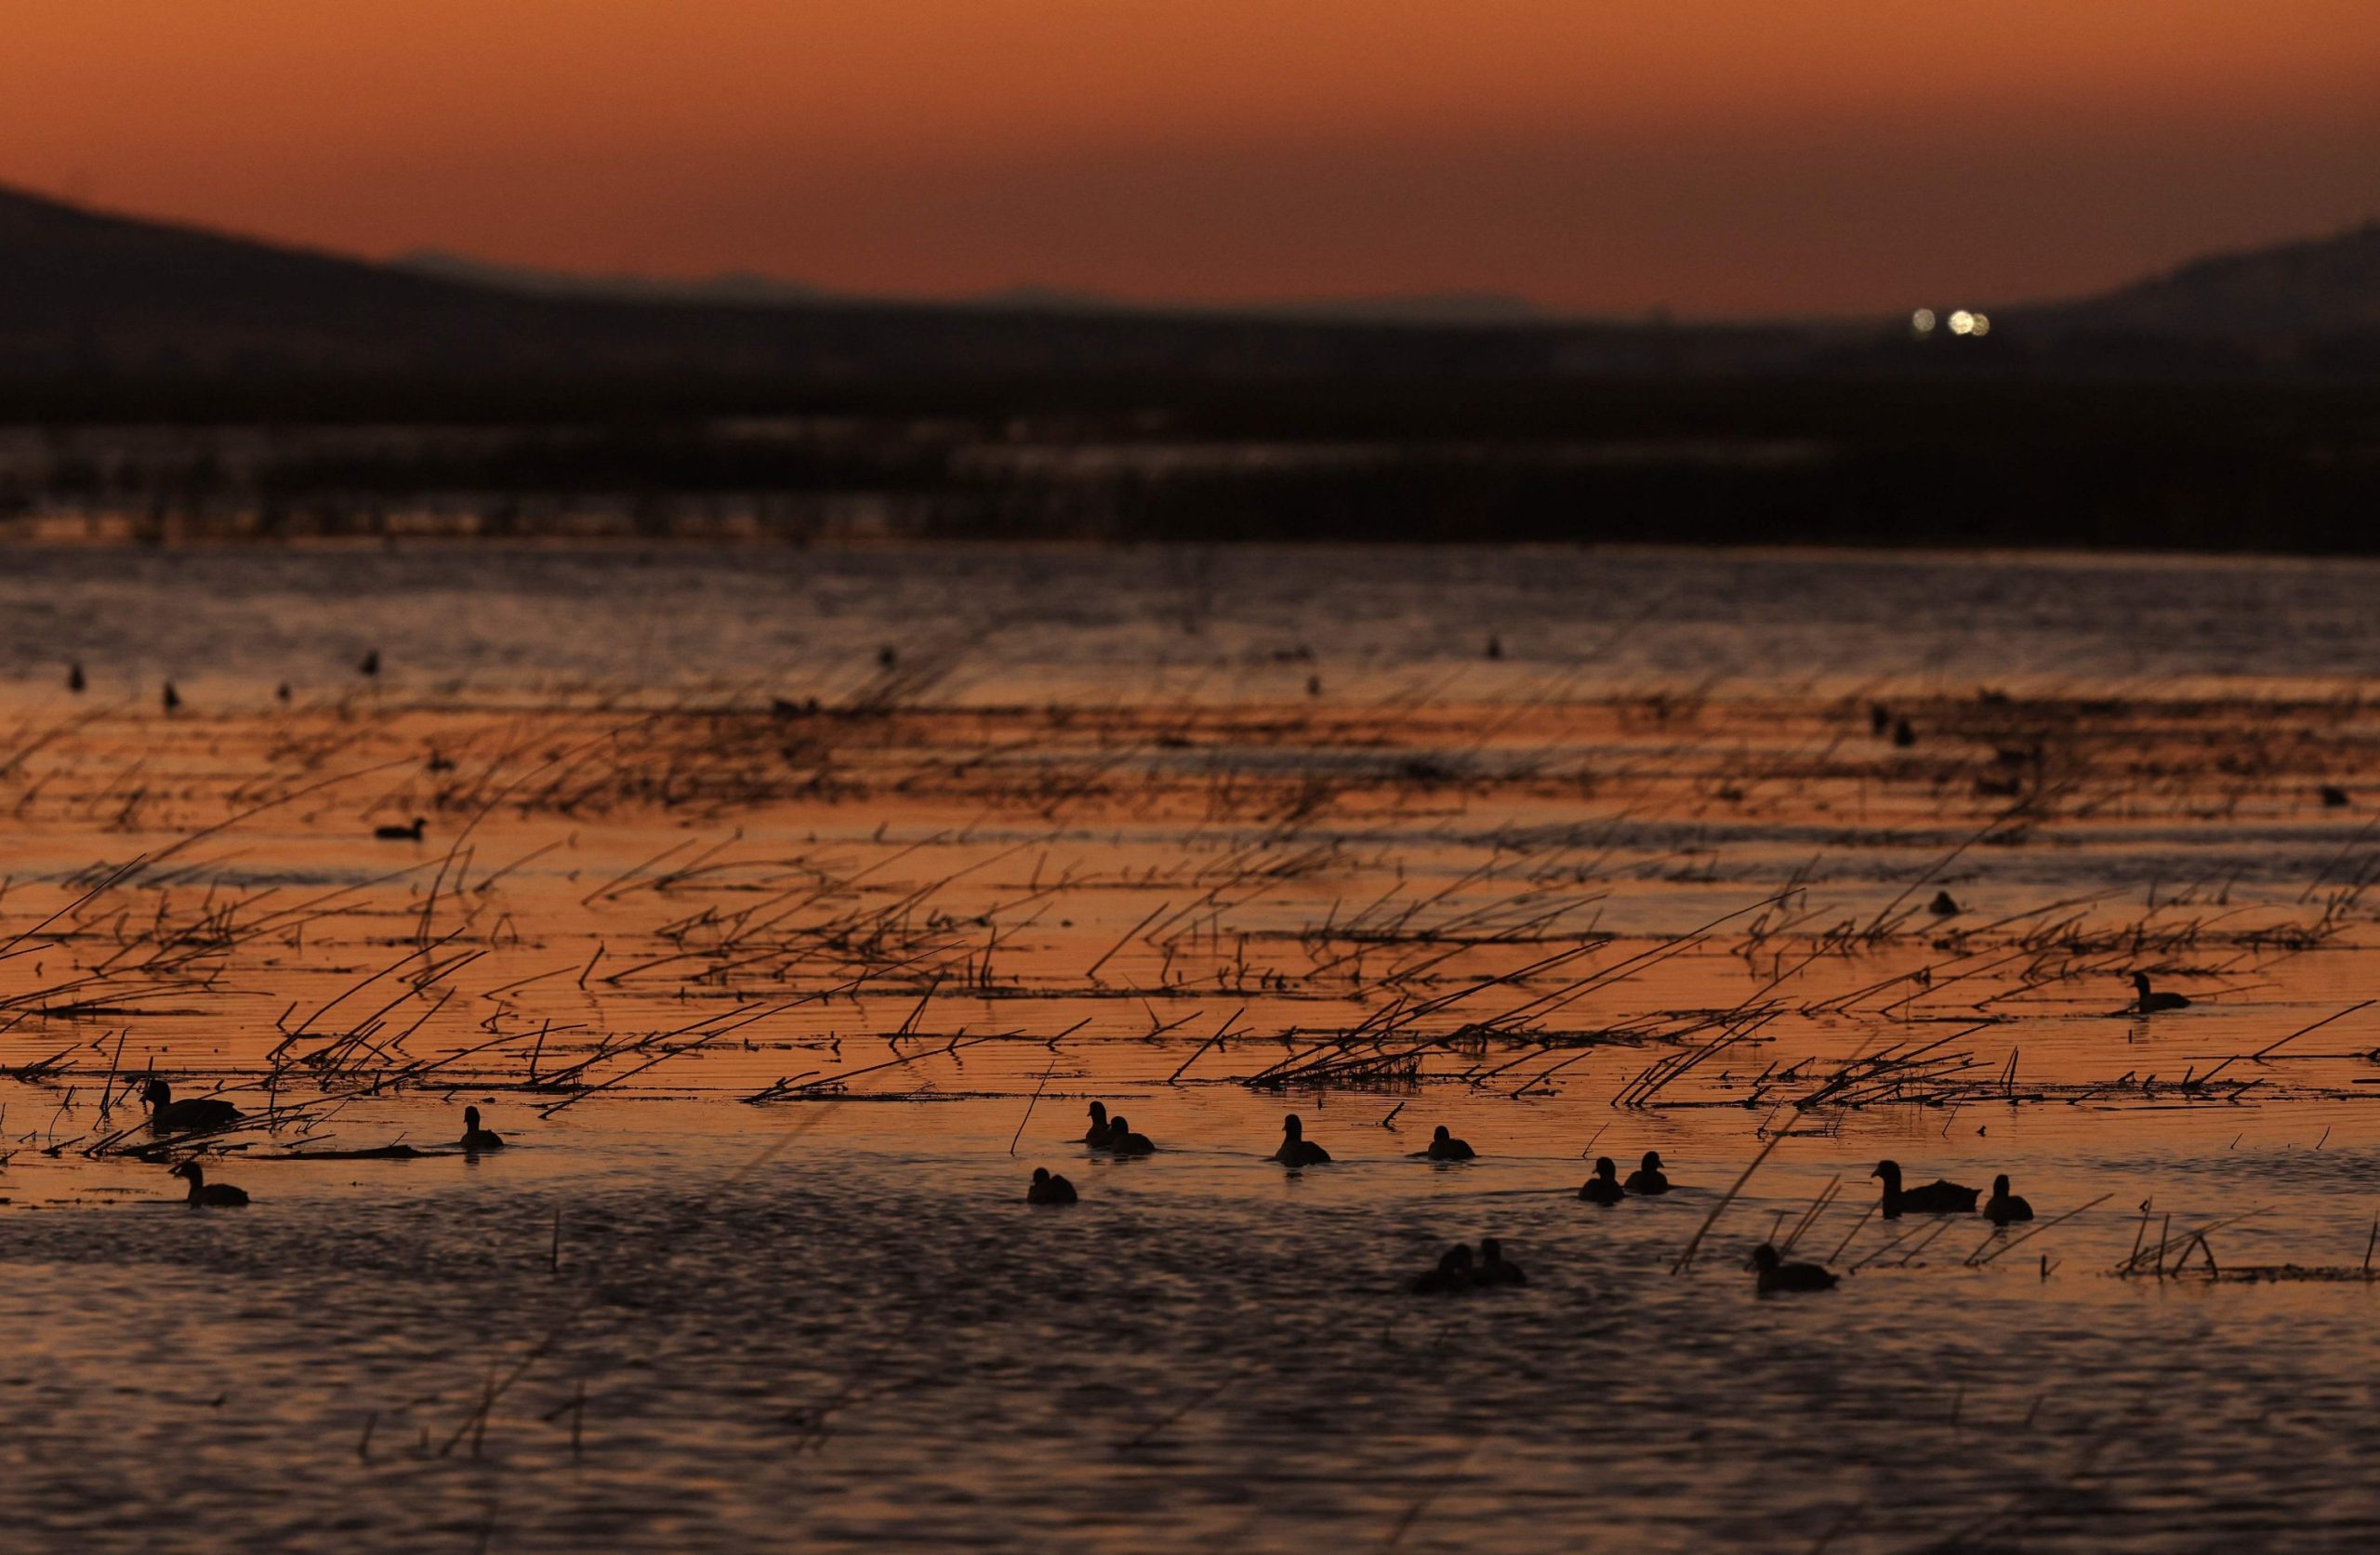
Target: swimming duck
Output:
[
  {"x": 1903, "y": 735},
  {"x": 169, "y": 1116},
  {"x": 2149, "y": 1003},
  {"x": 1446, "y": 1147},
  {"x": 1935, "y": 1199},
  {"x": 1298, "y": 1151},
  {"x": 411, "y": 833},
  {"x": 1944, "y": 905},
  {"x": 1096, "y": 1134},
  {"x": 1123, "y": 1142},
  {"x": 1493, "y": 1270},
  {"x": 1453, "y": 1273},
  {"x": 210, "y": 1195},
  {"x": 476, "y": 1138},
  {"x": 172, "y": 699},
  {"x": 2004, "y": 1208},
  {"x": 1603, "y": 1187},
  {"x": 1776, "y": 1275},
  {"x": 371, "y": 663},
  {"x": 1646, "y": 1180},
  {"x": 74, "y": 680},
  {"x": 1049, "y": 1188}
]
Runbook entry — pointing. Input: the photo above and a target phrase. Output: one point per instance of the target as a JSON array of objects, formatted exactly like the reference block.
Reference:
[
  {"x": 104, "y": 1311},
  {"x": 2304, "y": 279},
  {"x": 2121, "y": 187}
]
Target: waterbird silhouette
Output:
[
  {"x": 1494, "y": 1269},
  {"x": 281, "y": 692},
  {"x": 1049, "y": 1188},
  {"x": 887, "y": 656},
  {"x": 1453, "y": 1273},
  {"x": 75, "y": 682},
  {"x": 1446, "y": 1147},
  {"x": 1298, "y": 1151},
  {"x": 2334, "y": 797},
  {"x": 172, "y": 699},
  {"x": 371, "y": 665},
  {"x": 408, "y": 833},
  {"x": 1776, "y": 1275},
  {"x": 1943, "y": 905},
  {"x": 2004, "y": 1208},
  {"x": 1903, "y": 736},
  {"x": 1096, "y": 1134},
  {"x": 1879, "y": 719},
  {"x": 169, "y": 1116},
  {"x": 1935, "y": 1198},
  {"x": 1603, "y": 1187},
  {"x": 1123, "y": 1142},
  {"x": 476, "y": 1138},
  {"x": 1646, "y": 1180},
  {"x": 210, "y": 1195},
  {"x": 2149, "y": 1003},
  {"x": 1495, "y": 646}
]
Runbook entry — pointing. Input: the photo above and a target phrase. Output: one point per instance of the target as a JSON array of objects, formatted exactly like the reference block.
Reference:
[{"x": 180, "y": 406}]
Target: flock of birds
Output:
[
  {"x": 1458, "y": 1269},
  {"x": 205, "y": 1115}
]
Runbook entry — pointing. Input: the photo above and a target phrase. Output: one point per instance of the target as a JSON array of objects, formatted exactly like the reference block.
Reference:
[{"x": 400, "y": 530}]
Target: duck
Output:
[
  {"x": 1049, "y": 1188},
  {"x": 1123, "y": 1142},
  {"x": 2149, "y": 1003},
  {"x": 1096, "y": 1134},
  {"x": 1494, "y": 1270},
  {"x": 409, "y": 833},
  {"x": 1776, "y": 1275},
  {"x": 169, "y": 1116},
  {"x": 74, "y": 679},
  {"x": 210, "y": 1195},
  {"x": 1603, "y": 1187},
  {"x": 1298, "y": 1151},
  {"x": 1944, "y": 905},
  {"x": 1935, "y": 1198},
  {"x": 476, "y": 1138},
  {"x": 1879, "y": 719},
  {"x": 1903, "y": 735},
  {"x": 1453, "y": 1273},
  {"x": 2004, "y": 1208},
  {"x": 172, "y": 699},
  {"x": 371, "y": 663},
  {"x": 1646, "y": 1180},
  {"x": 1446, "y": 1147}
]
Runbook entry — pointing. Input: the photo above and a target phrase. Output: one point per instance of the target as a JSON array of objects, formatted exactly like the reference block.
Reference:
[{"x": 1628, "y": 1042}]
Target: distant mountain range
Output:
[
  {"x": 98, "y": 304},
  {"x": 744, "y": 288}
]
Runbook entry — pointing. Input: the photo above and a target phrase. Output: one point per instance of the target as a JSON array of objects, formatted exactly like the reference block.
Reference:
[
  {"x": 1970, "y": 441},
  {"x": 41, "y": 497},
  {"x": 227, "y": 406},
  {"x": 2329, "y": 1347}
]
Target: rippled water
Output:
[{"x": 831, "y": 1321}]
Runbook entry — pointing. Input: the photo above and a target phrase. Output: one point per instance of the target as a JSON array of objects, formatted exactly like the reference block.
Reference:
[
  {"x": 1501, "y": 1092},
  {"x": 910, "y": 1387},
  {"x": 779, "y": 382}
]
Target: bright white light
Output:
[
  {"x": 1982, "y": 326},
  {"x": 1922, "y": 321},
  {"x": 1963, "y": 323}
]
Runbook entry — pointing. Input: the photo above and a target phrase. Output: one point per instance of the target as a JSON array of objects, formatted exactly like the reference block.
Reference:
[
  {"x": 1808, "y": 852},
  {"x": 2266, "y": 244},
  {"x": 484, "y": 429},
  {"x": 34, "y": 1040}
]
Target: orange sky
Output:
[{"x": 1715, "y": 156}]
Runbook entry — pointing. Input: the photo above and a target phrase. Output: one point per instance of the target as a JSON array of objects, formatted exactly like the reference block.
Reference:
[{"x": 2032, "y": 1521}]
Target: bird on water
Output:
[
  {"x": 1446, "y": 1147},
  {"x": 2004, "y": 1207},
  {"x": 1935, "y": 1199},
  {"x": 2149, "y": 1003},
  {"x": 210, "y": 1195},
  {"x": 476, "y": 1138},
  {"x": 1298, "y": 1151},
  {"x": 172, "y": 699},
  {"x": 1123, "y": 1142},
  {"x": 1049, "y": 1188},
  {"x": 1647, "y": 1178},
  {"x": 371, "y": 665},
  {"x": 1603, "y": 1187},
  {"x": 1776, "y": 1275},
  {"x": 1453, "y": 1273},
  {"x": 169, "y": 1116},
  {"x": 1096, "y": 1134},
  {"x": 408, "y": 833},
  {"x": 75, "y": 682},
  {"x": 1494, "y": 1268}
]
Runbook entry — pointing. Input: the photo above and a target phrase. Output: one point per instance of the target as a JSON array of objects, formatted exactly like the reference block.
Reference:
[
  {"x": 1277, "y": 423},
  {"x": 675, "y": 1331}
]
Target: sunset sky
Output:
[{"x": 1713, "y": 156}]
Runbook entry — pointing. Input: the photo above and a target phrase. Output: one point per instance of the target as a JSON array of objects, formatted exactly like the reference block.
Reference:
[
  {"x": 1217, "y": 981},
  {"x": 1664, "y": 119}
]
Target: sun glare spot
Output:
[
  {"x": 1921, "y": 322},
  {"x": 1962, "y": 322}
]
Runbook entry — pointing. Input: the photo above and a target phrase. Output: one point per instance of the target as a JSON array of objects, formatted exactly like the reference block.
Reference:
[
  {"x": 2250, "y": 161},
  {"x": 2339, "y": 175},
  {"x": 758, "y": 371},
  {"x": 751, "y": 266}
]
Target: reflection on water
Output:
[{"x": 1651, "y": 879}]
